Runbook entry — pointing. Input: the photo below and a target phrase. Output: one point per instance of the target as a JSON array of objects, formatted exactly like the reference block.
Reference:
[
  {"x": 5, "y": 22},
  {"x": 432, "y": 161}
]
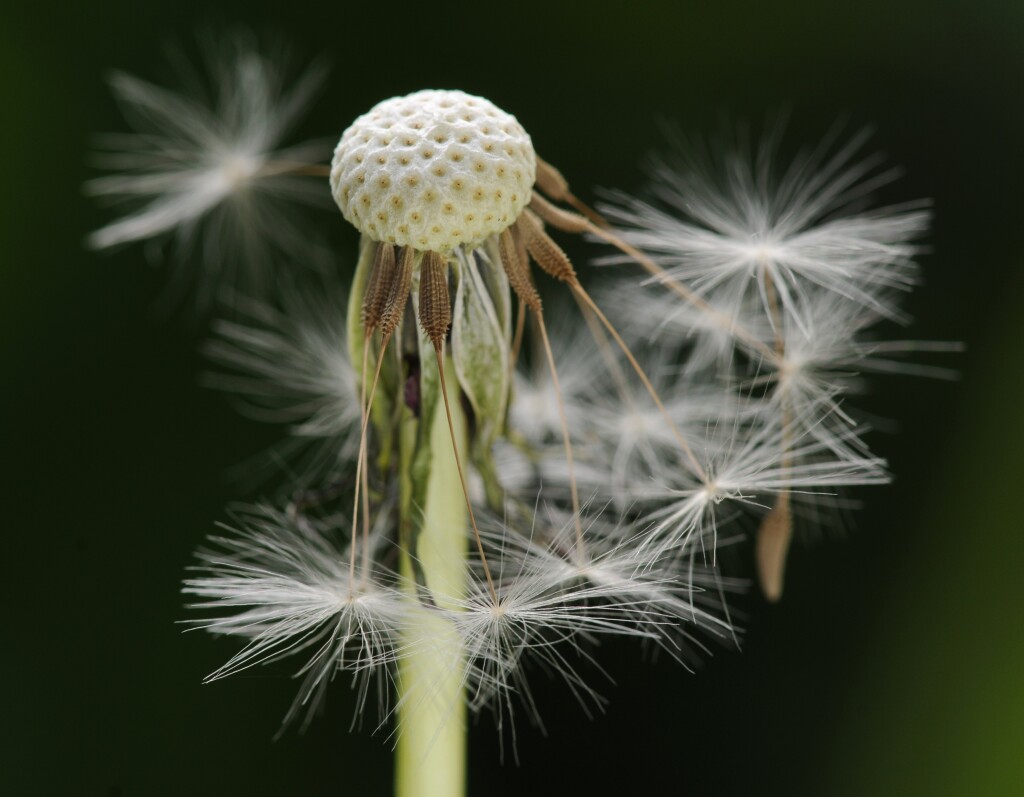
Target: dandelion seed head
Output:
[{"x": 433, "y": 170}]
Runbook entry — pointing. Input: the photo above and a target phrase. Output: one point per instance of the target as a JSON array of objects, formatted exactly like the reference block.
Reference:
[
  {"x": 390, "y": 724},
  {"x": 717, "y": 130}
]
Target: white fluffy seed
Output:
[{"x": 434, "y": 170}]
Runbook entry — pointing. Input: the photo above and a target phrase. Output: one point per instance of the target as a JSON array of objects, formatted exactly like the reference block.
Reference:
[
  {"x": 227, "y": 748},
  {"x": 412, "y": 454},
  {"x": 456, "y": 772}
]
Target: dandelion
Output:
[
  {"x": 780, "y": 238},
  {"x": 288, "y": 589},
  {"x": 207, "y": 170},
  {"x": 501, "y": 492}
]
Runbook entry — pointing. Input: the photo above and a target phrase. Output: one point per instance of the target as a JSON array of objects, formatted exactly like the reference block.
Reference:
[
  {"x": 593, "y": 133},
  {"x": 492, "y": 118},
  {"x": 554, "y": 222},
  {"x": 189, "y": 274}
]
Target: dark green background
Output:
[{"x": 895, "y": 663}]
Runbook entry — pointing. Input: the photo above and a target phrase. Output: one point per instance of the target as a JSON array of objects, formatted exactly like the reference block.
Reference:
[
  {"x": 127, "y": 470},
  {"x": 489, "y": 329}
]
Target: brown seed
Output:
[
  {"x": 398, "y": 297},
  {"x": 561, "y": 219},
  {"x": 551, "y": 181},
  {"x": 378, "y": 286},
  {"x": 548, "y": 255},
  {"x": 435, "y": 306},
  {"x": 773, "y": 540},
  {"x": 518, "y": 271}
]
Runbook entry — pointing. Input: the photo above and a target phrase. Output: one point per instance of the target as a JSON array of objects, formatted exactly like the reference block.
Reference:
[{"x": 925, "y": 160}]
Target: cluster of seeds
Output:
[{"x": 433, "y": 170}]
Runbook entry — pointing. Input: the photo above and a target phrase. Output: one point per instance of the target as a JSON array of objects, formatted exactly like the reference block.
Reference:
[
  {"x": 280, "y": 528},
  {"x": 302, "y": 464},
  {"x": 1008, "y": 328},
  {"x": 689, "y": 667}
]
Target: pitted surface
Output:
[{"x": 434, "y": 170}]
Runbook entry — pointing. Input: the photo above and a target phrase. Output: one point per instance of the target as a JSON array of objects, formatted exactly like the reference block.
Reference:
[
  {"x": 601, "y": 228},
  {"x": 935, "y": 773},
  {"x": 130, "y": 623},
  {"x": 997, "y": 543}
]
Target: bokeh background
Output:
[{"x": 894, "y": 664}]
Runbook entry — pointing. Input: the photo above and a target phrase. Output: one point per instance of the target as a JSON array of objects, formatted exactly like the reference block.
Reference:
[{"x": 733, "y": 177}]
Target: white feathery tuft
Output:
[
  {"x": 729, "y": 224},
  {"x": 291, "y": 366},
  {"x": 207, "y": 169},
  {"x": 286, "y": 588}
]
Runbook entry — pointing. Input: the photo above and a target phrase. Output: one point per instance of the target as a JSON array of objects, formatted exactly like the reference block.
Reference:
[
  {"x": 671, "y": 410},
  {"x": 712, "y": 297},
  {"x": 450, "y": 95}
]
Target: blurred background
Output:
[{"x": 895, "y": 662}]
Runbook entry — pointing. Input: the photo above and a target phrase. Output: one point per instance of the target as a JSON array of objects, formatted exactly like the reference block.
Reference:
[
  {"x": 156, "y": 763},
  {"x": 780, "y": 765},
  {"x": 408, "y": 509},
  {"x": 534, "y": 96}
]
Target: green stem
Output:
[{"x": 430, "y": 759}]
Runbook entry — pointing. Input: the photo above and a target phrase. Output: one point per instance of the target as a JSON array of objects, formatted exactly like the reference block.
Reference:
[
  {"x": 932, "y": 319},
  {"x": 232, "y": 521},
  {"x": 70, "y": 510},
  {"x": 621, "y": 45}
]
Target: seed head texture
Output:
[{"x": 433, "y": 170}]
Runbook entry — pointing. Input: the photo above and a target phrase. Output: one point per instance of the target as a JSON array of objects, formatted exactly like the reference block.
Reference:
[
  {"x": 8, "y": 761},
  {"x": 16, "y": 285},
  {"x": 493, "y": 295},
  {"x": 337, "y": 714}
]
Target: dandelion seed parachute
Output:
[
  {"x": 440, "y": 184},
  {"x": 725, "y": 224},
  {"x": 207, "y": 170},
  {"x": 288, "y": 589}
]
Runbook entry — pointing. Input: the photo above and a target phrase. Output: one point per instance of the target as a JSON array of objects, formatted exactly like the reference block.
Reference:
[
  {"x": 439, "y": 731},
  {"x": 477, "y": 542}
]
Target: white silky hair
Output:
[
  {"x": 288, "y": 588},
  {"x": 289, "y": 364},
  {"x": 206, "y": 168},
  {"x": 533, "y": 412},
  {"x": 725, "y": 223},
  {"x": 555, "y": 594}
]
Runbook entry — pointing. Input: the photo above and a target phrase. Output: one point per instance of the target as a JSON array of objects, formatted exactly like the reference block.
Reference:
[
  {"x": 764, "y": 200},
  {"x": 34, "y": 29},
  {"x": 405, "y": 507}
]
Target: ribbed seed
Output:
[
  {"x": 398, "y": 296},
  {"x": 548, "y": 255},
  {"x": 518, "y": 271},
  {"x": 378, "y": 287},
  {"x": 551, "y": 182},
  {"x": 521, "y": 253},
  {"x": 773, "y": 540},
  {"x": 435, "y": 306}
]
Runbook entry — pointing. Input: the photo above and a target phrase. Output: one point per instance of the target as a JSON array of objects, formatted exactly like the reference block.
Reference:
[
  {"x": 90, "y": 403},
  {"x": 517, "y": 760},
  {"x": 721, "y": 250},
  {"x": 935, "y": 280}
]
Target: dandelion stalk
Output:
[{"x": 430, "y": 758}]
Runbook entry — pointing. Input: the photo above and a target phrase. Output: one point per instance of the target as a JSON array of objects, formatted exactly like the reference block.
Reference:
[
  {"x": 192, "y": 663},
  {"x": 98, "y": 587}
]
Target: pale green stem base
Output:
[{"x": 430, "y": 759}]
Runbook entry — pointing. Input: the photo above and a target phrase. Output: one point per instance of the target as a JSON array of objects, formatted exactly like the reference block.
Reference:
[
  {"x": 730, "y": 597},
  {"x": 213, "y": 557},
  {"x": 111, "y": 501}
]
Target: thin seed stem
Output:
[
  {"x": 435, "y": 318},
  {"x": 462, "y": 478},
  {"x": 362, "y": 440},
  {"x": 730, "y": 325},
  {"x": 638, "y": 369},
  {"x": 275, "y": 168},
  {"x": 566, "y": 440},
  {"x": 776, "y": 530},
  {"x": 610, "y": 360},
  {"x": 359, "y": 466},
  {"x": 365, "y": 484}
]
